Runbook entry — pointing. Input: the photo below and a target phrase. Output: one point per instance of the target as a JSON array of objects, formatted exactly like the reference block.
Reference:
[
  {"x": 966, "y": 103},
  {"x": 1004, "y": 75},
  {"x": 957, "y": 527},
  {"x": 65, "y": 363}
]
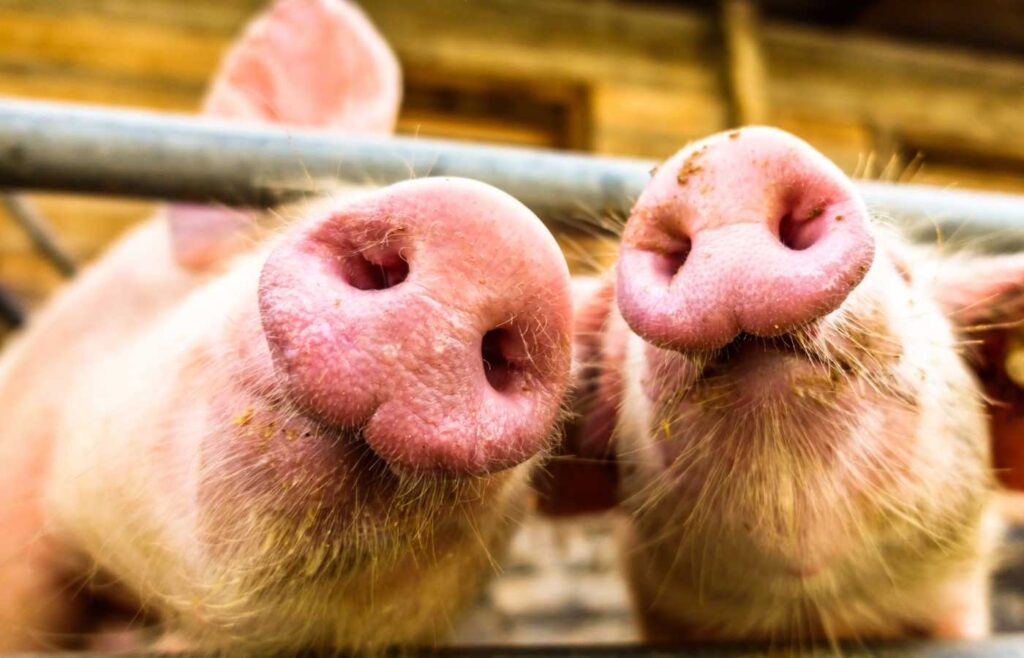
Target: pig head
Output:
[
  {"x": 794, "y": 408},
  {"x": 307, "y": 436}
]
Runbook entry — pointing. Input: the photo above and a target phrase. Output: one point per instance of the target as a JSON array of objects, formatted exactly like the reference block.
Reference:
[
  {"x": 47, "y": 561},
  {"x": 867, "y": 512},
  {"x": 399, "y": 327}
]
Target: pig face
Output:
[
  {"x": 314, "y": 436},
  {"x": 307, "y": 442},
  {"x": 801, "y": 443}
]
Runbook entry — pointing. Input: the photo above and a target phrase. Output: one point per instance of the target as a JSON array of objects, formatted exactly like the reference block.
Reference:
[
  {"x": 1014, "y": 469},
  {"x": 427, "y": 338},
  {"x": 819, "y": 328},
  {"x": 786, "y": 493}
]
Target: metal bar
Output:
[
  {"x": 39, "y": 233},
  {"x": 45, "y": 146},
  {"x": 11, "y": 312}
]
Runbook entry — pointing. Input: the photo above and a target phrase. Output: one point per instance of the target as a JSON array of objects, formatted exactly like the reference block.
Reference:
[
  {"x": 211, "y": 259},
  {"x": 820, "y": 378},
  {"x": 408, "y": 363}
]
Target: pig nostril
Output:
[
  {"x": 669, "y": 263},
  {"x": 376, "y": 269},
  {"x": 497, "y": 348},
  {"x": 800, "y": 233}
]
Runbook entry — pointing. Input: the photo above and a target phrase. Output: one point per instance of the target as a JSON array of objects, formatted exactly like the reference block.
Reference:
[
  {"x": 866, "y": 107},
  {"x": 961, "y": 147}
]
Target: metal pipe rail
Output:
[
  {"x": 59, "y": 147},
  {"x": 11, "y": 312},
  {"x": 39, "y": 233}
]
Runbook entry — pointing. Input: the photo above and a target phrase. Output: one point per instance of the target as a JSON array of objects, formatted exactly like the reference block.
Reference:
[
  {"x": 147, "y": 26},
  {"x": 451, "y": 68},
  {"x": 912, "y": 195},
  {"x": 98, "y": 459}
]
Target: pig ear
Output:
[
  {"x": 308, "y": 63},
  {"x": 313, "y": 63},
  {"x": 984, "y": 297}
]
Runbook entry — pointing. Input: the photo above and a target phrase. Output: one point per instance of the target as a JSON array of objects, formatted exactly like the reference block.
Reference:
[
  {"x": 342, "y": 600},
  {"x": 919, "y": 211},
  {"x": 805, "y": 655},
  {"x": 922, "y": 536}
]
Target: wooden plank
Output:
[
  {"x": 559, "y": 39},
  {"x": 744, "y": 63},
  {"x": 974, "y": 101},
  {"x": 223, "y": 17},
  {"x": 61, "y": 86},
  {"x": 652, "y": 121},
  {"x": 990, "y": 25},
  {"x": 108, "y": 45}
]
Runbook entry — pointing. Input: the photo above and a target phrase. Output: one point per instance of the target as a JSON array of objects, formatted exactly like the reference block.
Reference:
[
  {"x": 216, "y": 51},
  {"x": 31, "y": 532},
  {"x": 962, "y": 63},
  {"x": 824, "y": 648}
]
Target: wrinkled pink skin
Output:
[
  {"x": 800, "y": 444},
  {"x": 311, "y": 437},
  {"x": 770, "y": 234}
]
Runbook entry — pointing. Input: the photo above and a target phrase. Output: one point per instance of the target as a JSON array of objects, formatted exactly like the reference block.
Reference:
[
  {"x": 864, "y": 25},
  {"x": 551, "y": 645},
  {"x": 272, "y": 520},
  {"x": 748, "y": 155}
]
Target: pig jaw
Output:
[
  {"x": 342, "y": 552},
  {"x": 330, "y": 545},
  {"x": 777, "y": 496}
]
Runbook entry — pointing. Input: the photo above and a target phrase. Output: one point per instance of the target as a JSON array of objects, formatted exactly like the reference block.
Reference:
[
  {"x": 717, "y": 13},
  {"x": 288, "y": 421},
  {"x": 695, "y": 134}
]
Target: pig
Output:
[
  {"x": 795, "y": 409},
  {"x": 310, "y": 433}
]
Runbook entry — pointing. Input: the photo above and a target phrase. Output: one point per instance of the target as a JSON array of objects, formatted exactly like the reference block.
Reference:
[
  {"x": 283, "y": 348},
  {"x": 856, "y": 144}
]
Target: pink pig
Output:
[
  {"x": 787, "y": 398},
  {"x": 311, "y": 437}
]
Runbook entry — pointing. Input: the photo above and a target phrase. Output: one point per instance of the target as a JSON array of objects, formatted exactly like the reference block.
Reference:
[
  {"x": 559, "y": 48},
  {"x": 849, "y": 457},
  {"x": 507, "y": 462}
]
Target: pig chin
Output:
[
  {"x": 275, "y": 480},
  {"x": 304, "y": 523},
  {"x": 830, "y": 402},
  {"x": 819, "y": 366},
  {"x": 754, "y": 371},
  {"x": 279, "y": 482},
  {"x": 804, "y": 459}
]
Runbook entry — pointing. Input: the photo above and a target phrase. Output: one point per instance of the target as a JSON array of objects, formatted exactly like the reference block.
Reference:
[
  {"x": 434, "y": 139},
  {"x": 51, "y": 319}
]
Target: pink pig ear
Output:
[
  {"x": 313, "y": 63},
  {"x": 308, "y": 63},
  {"x": 981, "y": 291},
  {"x": 984, "y": 297}
]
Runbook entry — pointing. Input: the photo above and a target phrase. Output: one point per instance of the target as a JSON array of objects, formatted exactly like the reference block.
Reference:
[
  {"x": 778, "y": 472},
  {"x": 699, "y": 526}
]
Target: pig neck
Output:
[{"x": 850, "y": 491}]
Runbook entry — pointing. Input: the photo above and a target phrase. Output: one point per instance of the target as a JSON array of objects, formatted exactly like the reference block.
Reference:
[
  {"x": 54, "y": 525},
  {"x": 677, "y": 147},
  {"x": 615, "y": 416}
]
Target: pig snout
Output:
[
  {"x": 433, "y": 317},
  {"x": 751, "y": 231}
]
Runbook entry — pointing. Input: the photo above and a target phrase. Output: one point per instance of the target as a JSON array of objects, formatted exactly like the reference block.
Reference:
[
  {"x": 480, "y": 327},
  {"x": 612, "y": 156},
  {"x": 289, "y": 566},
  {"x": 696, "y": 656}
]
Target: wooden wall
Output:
[{"x": 603, "y": 75}]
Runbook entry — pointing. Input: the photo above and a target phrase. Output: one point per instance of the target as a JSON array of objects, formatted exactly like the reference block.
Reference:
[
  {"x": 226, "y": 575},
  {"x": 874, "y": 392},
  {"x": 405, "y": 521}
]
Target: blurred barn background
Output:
[{"x": 928, "y": 90}]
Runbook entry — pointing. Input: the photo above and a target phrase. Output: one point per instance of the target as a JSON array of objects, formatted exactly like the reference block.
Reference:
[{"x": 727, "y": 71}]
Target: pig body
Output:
[
  {"x": 316, "y": 436},
  {"x": 156, "y": 443},
  {"x": 802, "y": 446}
]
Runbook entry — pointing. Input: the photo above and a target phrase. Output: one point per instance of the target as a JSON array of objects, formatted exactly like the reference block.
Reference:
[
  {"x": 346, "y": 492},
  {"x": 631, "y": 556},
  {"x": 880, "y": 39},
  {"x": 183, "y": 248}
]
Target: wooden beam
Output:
[
  {"x": 942, "y": 97},
  {"x": 744, "y": 67}
]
